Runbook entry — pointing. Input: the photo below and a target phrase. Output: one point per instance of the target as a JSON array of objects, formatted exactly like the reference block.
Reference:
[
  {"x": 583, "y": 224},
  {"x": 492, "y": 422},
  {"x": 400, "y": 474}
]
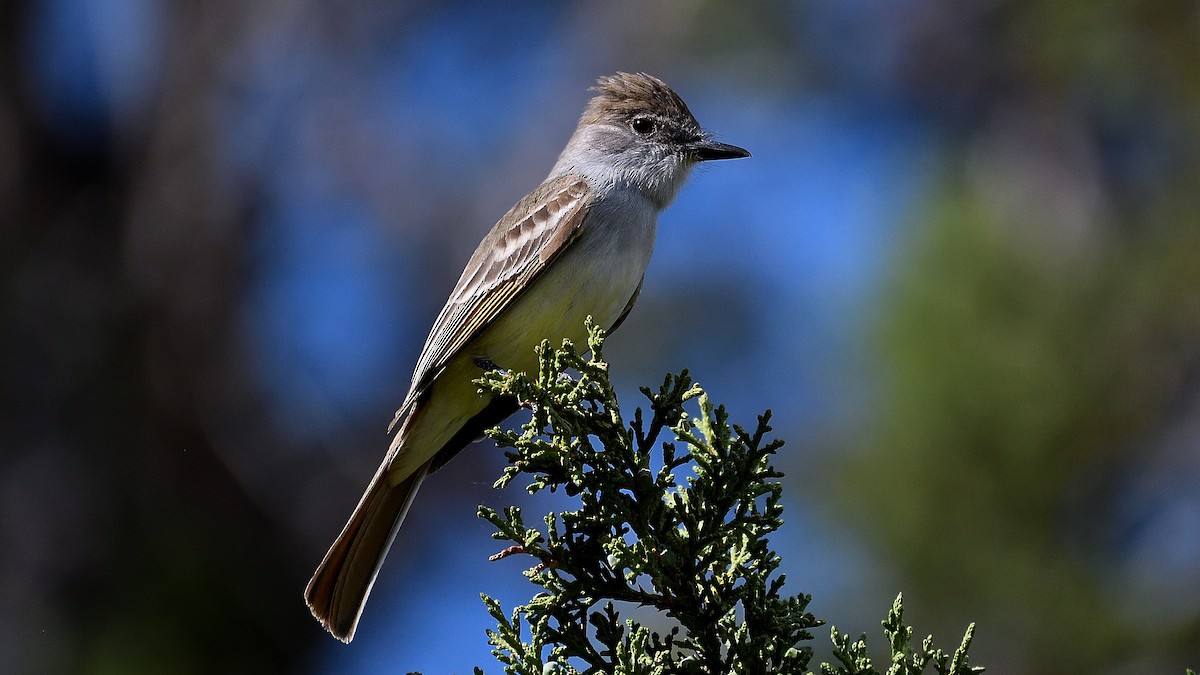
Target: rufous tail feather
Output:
[{"x": 339, "y": 588}]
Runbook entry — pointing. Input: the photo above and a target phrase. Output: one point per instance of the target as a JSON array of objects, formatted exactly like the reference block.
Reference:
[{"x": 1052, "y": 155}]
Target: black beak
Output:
[{"x": 704, "y": 150}]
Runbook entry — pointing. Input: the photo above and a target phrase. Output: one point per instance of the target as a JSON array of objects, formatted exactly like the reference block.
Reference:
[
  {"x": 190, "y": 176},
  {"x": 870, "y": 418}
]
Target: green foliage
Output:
[
  {"x": 1021, "y": 389},
  {"x": 694, "y": 550},
  {"x": 905, "y": 660}
]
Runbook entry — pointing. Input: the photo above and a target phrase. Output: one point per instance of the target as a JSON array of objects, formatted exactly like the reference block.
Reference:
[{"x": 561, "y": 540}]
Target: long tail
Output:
[{"x": 339, "y": 588}]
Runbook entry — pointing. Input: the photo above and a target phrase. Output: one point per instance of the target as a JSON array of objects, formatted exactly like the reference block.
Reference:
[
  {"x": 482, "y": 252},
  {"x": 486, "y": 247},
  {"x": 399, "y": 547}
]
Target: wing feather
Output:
[{"x": 516, "y": 251}]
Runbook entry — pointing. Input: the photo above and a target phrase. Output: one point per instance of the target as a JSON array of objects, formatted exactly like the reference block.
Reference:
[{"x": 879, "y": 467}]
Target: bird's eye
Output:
[{"x": 642, "y": 125}]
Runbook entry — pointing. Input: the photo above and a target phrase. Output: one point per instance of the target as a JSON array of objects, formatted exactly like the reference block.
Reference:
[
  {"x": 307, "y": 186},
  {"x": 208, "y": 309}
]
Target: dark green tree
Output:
[{"x": 678, "y": 526}]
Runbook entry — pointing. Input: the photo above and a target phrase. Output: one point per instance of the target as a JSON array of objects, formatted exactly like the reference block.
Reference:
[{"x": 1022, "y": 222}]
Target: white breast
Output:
[{"x": 596, "y": 276}]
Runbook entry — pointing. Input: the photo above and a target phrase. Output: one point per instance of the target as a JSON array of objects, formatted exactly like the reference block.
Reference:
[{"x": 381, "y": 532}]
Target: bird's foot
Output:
[{"x": 487, "y": 364}]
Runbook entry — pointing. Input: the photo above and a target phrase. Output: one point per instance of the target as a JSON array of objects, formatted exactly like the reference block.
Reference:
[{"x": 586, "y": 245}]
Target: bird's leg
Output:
[{"x": 487, "y": 364}]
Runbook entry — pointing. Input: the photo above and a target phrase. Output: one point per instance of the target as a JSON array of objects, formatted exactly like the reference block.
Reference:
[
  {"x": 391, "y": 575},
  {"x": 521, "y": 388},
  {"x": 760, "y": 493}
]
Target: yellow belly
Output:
[{"x": 596, "y": 278}]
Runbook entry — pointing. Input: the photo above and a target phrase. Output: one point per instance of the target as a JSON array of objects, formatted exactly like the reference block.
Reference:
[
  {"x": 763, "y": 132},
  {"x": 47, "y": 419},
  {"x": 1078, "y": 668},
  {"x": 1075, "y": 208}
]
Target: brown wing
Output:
[{"x": 516, "y": 251}]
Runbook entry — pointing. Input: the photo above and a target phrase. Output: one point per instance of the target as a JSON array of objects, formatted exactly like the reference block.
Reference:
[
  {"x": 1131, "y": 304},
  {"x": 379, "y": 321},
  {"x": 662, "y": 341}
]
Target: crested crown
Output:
[{"x": 626, "y": 94}]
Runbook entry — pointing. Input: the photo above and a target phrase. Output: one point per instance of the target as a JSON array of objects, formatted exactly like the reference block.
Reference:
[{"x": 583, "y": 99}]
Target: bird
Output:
[{"x": 576, "y": 246}]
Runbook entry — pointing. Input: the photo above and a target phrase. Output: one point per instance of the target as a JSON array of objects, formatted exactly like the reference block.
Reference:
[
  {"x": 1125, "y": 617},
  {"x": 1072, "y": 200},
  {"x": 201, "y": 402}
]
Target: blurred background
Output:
[{"x": 962, "y": 267}]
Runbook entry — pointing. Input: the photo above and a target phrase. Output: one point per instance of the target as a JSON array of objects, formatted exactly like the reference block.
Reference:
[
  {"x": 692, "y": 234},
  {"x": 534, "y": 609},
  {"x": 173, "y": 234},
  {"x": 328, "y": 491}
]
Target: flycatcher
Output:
[{"x": 577, "y": 245}]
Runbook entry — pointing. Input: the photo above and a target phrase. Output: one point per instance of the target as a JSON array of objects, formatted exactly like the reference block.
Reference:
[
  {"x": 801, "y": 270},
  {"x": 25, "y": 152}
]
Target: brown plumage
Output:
[
  {"x": 576, "y": 246},
  {"x": 509, "y": 260}
]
